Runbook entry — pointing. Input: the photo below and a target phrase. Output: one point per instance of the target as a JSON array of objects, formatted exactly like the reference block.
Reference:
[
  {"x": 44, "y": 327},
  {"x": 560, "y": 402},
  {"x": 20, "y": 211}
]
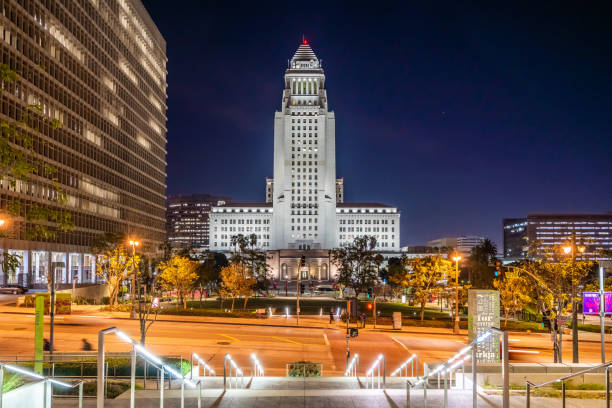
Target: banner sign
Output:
[
  {"x": 483, "y": 313},
  {"x": 590, "y": 303},
  {"x": 39, "y": 326}
]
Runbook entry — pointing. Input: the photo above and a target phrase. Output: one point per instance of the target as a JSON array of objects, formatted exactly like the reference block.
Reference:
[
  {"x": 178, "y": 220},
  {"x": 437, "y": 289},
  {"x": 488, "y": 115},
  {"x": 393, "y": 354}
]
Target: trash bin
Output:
[{"x": 397, "y": 320}]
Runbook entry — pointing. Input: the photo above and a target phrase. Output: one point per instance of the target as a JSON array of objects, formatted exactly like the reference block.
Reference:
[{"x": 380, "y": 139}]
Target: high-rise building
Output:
[
  {"x": 543, "y": 232},
  {"x": 96, "y": 70},
  {"x": 188, "y": 219},
  {"x": 305, "y": 208}
]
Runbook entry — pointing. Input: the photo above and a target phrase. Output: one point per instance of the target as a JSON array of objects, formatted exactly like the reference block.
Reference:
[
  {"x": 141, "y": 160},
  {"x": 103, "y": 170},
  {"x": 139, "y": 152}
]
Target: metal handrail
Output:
[
  {"x": 256, "y": 367},
  {"x": 200, "y": 362},
  {"x": 233, "y": 368},
  {"x": 46, "y": 380},
  {"x": 529, "y": 385},
  {"x": 405, "y": 364},
  {"x": 353, "y": 368},
  {"x": 377, "y": 366}
]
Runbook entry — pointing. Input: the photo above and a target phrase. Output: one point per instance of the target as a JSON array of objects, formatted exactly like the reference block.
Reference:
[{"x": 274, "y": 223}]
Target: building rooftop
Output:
[
  {"x": 242, "y": 205},
  {"x": 304, "y": 53},
  {"x": 360, "y": 205}
]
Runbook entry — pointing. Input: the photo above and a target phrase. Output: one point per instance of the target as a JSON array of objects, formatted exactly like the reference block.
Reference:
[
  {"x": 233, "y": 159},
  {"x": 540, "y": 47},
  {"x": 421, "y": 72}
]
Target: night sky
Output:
[{"x": 458, "y": 115}]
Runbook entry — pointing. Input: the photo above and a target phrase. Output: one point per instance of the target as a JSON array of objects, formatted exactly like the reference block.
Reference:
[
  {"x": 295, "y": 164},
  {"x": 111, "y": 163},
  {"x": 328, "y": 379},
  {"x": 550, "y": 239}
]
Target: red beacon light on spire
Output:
[{"x": 305, "y": 42}]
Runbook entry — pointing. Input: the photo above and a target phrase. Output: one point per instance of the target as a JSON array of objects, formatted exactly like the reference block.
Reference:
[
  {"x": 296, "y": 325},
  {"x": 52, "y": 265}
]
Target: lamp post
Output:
[
  {"x": 571, "y": 250},
  {"x": 602, "y": 314},
  {"x": 456, "y": 258},
  {"x": 134, "y": 244}
]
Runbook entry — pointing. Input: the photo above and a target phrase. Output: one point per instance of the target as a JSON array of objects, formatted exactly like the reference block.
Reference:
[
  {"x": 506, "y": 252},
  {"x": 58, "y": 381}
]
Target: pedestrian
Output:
[
  {"x": 331, "y": 315},
  {"x": 363, "y": 320},
  {"x": 86, "y": 345}
]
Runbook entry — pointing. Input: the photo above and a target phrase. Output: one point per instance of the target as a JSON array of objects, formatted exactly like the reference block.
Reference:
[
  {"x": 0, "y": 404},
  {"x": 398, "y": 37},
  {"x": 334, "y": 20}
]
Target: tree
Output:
[
  {"x": 178, "y": 274},
  {"x": 147, "y": 288},
  {"x": 236, "y": 281},
  {"x": 113, "y": 266},
  {"x": 247, "y": 253},
  {"x": 514, "y": 294},
  {"x": 209, "y": 271},
  {"x": 424, "y": 277},
  {"x": 358, "y": 264},
  {"x": 481, "y": 264},
  {"x": 396, "y": 270}
]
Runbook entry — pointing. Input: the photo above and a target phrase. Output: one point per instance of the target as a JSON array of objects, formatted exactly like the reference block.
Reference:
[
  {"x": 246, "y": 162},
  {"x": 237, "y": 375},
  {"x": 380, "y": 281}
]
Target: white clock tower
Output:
[{"x": 304, "y": 192}]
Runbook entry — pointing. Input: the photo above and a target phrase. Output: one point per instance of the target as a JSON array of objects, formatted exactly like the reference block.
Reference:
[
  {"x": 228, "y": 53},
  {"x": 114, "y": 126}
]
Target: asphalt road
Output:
[{"x": 275, "y": 346}]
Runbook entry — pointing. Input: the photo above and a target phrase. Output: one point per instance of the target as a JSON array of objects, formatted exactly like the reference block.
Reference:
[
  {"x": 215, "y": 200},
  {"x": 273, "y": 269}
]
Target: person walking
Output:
[
  {"x": 363, "y": 320},
  {"x": 331, "y": 315}
]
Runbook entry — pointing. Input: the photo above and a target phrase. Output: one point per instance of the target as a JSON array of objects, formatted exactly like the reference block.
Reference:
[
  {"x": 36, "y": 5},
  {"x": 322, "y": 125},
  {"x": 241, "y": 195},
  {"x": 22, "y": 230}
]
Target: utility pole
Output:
[
  {"x": 456, "y": 258},
  {"x": 299, "y": 286}
]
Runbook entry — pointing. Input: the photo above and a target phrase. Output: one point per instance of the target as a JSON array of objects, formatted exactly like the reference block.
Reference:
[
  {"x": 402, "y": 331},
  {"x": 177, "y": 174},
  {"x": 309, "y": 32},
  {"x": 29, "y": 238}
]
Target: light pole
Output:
[
  {"x": 602, "y": 313},
  {"x": 456, "y": 258},
  {"x": 134, "y": 244},
  {"x": 571, "y": 250}
]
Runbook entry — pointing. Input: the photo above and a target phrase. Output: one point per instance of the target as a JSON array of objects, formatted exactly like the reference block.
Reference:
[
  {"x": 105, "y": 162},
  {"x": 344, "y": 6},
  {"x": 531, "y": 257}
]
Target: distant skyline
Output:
[{"x": 459, "y": 115}]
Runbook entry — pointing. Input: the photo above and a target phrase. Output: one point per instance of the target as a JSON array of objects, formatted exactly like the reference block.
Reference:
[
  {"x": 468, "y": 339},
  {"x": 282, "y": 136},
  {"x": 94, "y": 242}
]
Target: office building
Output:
[
  {"x": 96, "y": 72},
  {"x": 188, "y": 219},
  {"x": 544, "y": 232}
]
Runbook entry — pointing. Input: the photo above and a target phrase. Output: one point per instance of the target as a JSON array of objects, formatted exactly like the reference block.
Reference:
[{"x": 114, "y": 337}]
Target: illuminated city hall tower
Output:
[{"x": 304, "y": 184}]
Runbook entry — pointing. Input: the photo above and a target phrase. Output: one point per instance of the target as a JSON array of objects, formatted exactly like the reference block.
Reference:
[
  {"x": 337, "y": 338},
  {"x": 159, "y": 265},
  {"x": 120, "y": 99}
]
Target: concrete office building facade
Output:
[
  {"x": 99, "y": 69},
  {"x": 544, "y": 232}
]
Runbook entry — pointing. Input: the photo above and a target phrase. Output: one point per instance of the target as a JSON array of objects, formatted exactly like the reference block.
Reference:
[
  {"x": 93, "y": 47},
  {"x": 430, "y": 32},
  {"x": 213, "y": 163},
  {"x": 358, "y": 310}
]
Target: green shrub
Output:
[
  {"x": 304, "y": 369},
  {"x": 12, "y": 381},
  {"x": 63, "y": 302},
  {"x": 113, "y": 389}
]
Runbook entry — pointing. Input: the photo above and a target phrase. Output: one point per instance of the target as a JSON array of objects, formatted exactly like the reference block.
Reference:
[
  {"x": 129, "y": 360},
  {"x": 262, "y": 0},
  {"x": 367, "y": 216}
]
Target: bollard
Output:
[
  {"x": 183, "y": 394},
  {"x": 200, "y": 394},
  {"x": 425, "y": 394},
  {"x": 474, "y": 378}
]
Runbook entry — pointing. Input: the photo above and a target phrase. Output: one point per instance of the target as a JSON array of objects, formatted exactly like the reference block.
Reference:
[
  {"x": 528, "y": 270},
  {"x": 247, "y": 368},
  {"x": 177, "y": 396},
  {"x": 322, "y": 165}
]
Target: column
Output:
[
  {"x": 27, "y": 267},
  {"x": 81, "y": 261},
  {"x": 50, "y": 269}
]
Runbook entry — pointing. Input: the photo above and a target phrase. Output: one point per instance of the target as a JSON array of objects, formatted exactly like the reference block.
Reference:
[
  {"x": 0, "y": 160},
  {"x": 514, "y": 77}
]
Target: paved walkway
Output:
[{"x": 394, "y": 398}]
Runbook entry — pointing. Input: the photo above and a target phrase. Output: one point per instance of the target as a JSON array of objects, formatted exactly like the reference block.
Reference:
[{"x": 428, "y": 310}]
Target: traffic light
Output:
[
  {"x": 369, "y": 306},
  {"x": 370, "y": 292},
  {"x": 498, "y": 268}
]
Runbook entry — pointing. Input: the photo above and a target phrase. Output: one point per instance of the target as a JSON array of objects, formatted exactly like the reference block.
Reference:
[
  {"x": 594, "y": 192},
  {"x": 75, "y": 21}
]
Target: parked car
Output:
[
  {"x": 13, "y": 288},
  {"x": 322, "y": 289}
]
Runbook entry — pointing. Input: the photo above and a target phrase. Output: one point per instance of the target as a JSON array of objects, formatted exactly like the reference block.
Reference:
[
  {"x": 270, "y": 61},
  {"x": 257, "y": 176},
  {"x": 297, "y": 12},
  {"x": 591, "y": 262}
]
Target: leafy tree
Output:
[
  {"x": 178, "y": 274},
  {"x": 514, "y": 294},
  {"x": 247, "y": 253},
  {"x": 396, "y": 270},
  {"x": 424, "y": 277},
  {"x": 209, "y": 271},
  {"x": 481, "y": 264},
  {"x": 358, "y": 264},
  {"x": 113, "y": 266},
  {"x": 237, "y": 281},
  {"x": 147, "y": 288}
]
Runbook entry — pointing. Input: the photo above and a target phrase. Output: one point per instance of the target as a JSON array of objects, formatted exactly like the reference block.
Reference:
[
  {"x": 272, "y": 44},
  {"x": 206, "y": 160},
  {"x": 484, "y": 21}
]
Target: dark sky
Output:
[{"x": 458, "y": 115}]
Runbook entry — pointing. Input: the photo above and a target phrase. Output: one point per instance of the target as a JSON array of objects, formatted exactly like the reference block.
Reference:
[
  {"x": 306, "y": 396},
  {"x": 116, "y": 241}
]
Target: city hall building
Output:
[
  {"x": 304, "y": 212},
  {"x": 98, "y": 69}
]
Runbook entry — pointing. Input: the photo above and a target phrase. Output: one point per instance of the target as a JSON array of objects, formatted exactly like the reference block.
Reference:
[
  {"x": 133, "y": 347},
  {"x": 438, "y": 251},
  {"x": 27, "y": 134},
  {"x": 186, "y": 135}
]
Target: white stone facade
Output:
[{"x": 304, "y": 208}]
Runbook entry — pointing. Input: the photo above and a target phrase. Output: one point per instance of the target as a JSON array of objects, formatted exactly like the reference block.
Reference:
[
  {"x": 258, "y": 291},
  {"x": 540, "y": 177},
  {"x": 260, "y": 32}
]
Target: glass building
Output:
[{"x": 98, "y": 69}]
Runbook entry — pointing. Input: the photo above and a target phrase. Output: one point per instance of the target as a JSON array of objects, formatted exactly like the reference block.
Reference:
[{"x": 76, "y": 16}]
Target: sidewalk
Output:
[{"x": 394, "y": 398}]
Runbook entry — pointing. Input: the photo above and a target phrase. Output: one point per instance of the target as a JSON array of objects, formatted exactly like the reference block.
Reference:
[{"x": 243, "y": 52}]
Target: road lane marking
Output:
[
  {"x": 229, "y": 337},
  {"x": 523, "y": 351},
  {"x": 400, "y": 343},
  {"x": 325, "y": 339},
  {"x": 286, "y": 339}
]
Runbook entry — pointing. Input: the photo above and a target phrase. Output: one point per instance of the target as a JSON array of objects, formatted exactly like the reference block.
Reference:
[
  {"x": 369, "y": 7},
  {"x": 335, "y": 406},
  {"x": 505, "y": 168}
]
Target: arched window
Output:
[{"x": 324, "y": 274}]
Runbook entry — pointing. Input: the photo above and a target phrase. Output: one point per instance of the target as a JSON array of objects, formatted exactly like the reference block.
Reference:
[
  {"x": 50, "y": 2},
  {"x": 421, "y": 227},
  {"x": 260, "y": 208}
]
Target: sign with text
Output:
[
  {"x": 39, "y": 325},
  {"x": 590, "y": 303},
  {"x": 483, "y": 313}
]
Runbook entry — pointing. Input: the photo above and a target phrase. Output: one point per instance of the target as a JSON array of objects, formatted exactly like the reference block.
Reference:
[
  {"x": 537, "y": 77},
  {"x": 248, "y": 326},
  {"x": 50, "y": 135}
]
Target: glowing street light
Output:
[
  {"x": 456, "y": 258},
  {"x": 567, "y": 249}
]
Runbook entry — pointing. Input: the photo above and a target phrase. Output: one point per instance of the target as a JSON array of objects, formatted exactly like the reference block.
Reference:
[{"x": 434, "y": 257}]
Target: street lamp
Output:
[
  {"x": 2, "y": 222},
  {"x": 456, "y": 258},
  {"x": 134, "y": 244},
  {"x": 567, "y": 250}
]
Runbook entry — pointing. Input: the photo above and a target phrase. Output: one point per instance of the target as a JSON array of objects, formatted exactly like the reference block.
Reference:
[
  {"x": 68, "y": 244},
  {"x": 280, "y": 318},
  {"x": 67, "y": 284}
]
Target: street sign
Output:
[{"x": 39, "y": 325}]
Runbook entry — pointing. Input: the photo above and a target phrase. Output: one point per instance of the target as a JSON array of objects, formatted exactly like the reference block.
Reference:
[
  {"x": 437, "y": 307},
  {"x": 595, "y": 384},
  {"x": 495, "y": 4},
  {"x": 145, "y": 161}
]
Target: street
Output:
[{"x": 272, "y": 341}]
